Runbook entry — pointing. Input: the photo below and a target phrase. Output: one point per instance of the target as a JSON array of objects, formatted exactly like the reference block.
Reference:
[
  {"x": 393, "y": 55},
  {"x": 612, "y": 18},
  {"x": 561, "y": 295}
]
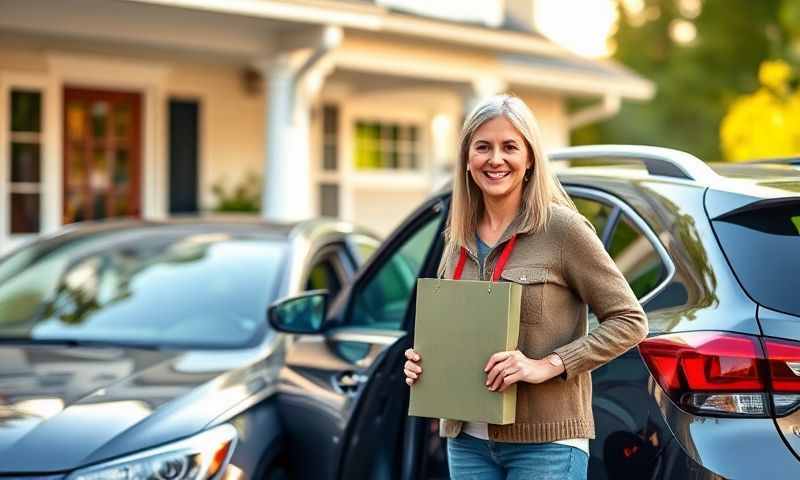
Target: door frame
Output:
[{"x": 114, "y": 73}]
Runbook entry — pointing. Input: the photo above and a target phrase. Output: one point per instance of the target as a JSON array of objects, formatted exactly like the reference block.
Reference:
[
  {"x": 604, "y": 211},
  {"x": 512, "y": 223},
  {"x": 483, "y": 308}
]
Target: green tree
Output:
[{"x": 696, "y": 80}]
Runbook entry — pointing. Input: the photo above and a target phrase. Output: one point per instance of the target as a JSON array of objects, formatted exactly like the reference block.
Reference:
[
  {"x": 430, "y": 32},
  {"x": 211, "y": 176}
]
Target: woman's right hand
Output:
[{"x": 411, "y": 367}]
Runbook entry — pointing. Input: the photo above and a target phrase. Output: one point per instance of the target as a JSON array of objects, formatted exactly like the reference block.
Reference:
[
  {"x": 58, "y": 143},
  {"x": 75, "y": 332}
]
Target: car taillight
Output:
[
  {"x": 722, "y": 373},
  {"x": 783, "y": 357}
]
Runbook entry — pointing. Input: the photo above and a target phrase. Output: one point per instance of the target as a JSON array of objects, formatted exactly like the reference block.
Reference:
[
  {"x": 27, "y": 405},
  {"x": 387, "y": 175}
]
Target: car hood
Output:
[{"x": 63, "y": 408}]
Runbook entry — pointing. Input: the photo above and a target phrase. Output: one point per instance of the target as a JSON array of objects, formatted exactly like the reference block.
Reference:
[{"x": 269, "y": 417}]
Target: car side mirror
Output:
[{"x": 302, "y": 313}]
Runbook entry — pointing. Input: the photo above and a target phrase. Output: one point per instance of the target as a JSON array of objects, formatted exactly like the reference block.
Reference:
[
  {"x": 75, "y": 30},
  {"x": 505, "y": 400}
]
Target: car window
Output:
[
  {"x": 636, "y": 257},
  {"x": 364, "y": 247},
  {"x": 324, "y": 275},
  {"x": 596, "y": 212},
  {"x": 382, "y": 301},
  {"x": 762, "y": 244}
]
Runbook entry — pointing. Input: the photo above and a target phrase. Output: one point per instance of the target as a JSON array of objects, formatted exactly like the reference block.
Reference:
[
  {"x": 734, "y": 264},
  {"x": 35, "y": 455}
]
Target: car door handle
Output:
[{"x": 349, "y": 382}]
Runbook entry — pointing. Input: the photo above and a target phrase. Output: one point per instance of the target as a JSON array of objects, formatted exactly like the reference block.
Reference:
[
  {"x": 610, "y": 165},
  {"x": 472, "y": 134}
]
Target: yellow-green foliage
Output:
[{"x": 765, "y": 123}]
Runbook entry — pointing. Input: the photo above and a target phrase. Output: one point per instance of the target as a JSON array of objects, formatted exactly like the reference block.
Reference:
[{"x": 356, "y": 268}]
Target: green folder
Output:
[{"x": 459, "y": 325}]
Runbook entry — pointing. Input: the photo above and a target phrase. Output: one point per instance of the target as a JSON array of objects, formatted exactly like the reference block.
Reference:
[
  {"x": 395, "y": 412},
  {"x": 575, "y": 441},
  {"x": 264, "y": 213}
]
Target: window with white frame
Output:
[
  {"x": 383, "y": 145},
  {"x": 25, "y": 154},
  {"x": 328, "y": 187},
  {"x": 330, "y": 137}
]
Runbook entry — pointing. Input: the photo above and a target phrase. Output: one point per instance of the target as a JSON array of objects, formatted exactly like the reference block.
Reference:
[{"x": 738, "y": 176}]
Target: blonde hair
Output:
[{"x": 542, "y": 188}]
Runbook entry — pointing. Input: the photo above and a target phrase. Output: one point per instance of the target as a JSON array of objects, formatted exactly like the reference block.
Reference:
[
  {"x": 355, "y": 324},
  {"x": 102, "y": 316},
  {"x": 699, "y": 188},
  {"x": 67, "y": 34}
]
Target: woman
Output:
[{"x": 505, "y": 198}]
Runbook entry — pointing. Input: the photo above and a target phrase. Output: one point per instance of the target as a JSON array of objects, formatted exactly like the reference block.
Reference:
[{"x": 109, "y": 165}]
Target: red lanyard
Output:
[{"x": 498, "y": 267}]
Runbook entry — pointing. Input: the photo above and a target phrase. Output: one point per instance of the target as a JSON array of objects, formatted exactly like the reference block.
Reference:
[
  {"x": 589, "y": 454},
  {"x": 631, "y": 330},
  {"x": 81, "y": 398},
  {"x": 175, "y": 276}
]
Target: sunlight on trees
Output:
[{"x": 765, "y": 123}]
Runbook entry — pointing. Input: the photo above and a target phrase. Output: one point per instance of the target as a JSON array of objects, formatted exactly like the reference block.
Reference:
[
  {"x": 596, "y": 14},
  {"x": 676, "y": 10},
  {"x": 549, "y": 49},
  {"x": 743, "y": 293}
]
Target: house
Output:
[{"x": 345, "y": 108}]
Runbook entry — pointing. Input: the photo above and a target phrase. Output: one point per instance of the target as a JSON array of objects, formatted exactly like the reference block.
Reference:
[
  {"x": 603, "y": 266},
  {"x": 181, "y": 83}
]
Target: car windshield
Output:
[
  {"x": 143, "y": 286},
  {"x": 762, "y": 243}
]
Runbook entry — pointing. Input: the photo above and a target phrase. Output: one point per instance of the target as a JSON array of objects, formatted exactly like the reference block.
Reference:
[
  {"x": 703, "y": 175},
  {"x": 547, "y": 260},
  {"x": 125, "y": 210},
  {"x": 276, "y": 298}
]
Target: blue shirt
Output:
[{"x": 483, "y": 250}]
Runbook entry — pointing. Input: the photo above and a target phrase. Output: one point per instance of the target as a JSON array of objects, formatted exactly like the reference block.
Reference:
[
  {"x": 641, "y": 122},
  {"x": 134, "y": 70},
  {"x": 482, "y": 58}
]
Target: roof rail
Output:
[
  {"x": 659, "y": 161},
  {"x": 793, "y": 161}
]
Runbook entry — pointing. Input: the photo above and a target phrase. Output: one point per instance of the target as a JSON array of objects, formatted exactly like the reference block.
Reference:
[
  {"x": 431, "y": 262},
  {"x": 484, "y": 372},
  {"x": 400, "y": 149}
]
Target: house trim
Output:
[
  {"x": 376, "y": 18},
  {"x": 114, "y": 74}
]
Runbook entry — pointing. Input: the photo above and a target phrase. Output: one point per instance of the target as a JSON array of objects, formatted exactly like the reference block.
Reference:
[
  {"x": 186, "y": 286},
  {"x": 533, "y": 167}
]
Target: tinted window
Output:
[
  {"x": 323, "y": 275},
  {"x": 594, "y": 211},
  {"x": 762, "y": 244},
  {"x": 143, "y": 286},
  {"x": 382, "y": 301},
  {"x": 365, "y": 247},
  {"x": 636, "y": 257}
]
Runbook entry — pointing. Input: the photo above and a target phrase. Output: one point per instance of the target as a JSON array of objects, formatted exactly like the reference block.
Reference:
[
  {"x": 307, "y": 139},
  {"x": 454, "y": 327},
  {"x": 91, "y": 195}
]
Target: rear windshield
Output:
[{"x": 762, "y": 243}]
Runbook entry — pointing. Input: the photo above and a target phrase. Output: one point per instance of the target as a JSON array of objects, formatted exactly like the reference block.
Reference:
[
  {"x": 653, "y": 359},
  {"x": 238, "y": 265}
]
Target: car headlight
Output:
[{"x": 200, "y": 457}]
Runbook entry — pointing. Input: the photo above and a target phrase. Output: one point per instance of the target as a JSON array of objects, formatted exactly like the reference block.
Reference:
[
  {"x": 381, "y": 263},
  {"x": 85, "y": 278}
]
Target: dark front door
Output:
[
  {"x": 330, "y": 388},
  {"x": 102, "y": 154},
  {"x": 183, "y": 153}
]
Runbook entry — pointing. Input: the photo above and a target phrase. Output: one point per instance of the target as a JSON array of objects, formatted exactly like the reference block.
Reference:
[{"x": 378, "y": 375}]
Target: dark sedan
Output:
[{"x": 133, "y": 349}]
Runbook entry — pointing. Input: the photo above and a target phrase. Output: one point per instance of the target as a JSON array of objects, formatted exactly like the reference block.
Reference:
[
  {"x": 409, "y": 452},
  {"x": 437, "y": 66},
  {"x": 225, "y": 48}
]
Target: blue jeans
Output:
[{"x": 471, "y": 458}]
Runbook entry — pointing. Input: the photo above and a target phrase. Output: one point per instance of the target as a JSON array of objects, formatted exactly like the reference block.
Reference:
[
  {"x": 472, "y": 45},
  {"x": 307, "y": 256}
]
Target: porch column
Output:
[{"x": 294, "y": 77}]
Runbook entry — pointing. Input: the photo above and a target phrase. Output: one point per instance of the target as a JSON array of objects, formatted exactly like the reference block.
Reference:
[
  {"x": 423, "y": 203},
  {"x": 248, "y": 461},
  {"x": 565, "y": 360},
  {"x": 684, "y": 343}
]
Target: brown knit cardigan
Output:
[{"x": 562, "y": 269}]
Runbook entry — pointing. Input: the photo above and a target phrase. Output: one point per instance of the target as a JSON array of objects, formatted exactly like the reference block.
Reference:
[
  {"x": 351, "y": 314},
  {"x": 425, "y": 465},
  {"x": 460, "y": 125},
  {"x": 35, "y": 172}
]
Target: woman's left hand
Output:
[{"x": 507, "y": 368}]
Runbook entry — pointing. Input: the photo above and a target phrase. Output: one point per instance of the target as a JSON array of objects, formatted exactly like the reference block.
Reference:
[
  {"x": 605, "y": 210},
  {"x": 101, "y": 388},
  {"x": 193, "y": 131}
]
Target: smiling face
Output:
[{"x": 498, "y": 158}]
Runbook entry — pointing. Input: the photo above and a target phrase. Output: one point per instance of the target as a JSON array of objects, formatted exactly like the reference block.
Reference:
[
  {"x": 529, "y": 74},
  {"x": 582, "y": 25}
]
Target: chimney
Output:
[{"x": 520, "y": 14}]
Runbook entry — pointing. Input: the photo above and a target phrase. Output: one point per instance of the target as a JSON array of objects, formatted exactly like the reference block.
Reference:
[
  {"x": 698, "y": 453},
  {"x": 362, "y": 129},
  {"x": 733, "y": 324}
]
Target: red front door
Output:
[{"x": 102, "y": 154}]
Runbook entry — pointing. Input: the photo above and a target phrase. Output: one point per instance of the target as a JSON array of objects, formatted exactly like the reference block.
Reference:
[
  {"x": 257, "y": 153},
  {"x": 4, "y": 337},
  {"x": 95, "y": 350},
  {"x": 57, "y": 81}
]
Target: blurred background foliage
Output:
[
  {"x": 725, "y": 73},
  {"x": 767, "y": 122},
  {"x": 244, "y": 196}
]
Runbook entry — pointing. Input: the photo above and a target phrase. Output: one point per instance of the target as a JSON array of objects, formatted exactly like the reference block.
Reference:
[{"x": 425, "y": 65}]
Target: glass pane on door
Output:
[
  {"x": 26, "y": 111},
  {"x": 121, "y": 168},
  {"x": 25, "y": 213},
  {"x": 76, "y": 121},
  {"x": 25, "y": 164},
  {"x": 99, "y": 119},
  {"x": 122, "y": 121}
]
